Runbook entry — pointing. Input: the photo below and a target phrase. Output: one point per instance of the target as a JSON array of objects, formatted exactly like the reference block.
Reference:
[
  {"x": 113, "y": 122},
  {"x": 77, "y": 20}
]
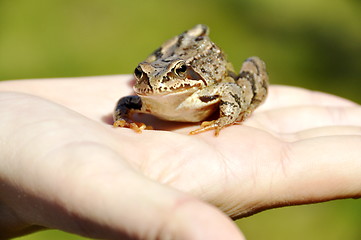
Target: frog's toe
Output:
[
  {"x": 119, "y": 123},
  {"x": 206, "y": 126},
  {"x": 135, "y": 126}
]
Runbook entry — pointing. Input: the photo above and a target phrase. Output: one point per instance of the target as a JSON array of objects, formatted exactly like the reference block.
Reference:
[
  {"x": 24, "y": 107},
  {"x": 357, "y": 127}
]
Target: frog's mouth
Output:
[
  {"x": 166, "y": 90},
  {"x": 179, "y": 78}
]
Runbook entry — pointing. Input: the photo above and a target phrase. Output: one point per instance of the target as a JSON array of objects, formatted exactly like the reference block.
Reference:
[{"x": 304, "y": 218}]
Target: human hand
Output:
[{"x": 64, "y": 166}]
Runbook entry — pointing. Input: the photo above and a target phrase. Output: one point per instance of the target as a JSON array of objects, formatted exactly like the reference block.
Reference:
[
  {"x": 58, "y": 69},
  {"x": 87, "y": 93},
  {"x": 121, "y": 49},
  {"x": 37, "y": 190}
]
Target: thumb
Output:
[
  {"x": 143, "y": 209},
  {"x": 53, "y": 178},
  {"x": 107, "y": 199}
]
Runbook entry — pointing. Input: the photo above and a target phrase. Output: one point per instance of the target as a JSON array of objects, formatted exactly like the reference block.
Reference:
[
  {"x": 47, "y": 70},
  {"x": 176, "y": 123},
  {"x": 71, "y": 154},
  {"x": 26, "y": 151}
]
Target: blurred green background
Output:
[{"x": 313, "y": 44}]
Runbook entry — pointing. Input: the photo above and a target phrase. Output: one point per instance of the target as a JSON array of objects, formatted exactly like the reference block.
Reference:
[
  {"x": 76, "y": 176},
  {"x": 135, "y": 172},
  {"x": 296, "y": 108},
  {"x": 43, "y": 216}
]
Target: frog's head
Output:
[
  {"x": 166, "y": 76},
  {"x": 186, "y": 62}
]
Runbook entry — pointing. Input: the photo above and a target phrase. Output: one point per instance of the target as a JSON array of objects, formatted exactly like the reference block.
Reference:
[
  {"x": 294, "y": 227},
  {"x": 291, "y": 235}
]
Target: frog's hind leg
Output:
[
  {"x": 238, "y": 100},
  {"x": 254, "y": 72}
]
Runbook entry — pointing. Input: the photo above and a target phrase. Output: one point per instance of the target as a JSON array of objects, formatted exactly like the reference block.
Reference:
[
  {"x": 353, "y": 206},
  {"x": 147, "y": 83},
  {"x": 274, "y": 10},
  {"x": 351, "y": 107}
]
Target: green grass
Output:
[
  {"x": 311, "y": 44},
  {"x": 332, "y": 220},
  {"x": 51, "y": 234}
]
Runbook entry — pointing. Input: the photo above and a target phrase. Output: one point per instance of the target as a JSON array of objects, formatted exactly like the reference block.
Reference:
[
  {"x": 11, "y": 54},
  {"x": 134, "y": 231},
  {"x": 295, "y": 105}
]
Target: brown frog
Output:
[{"x": 187, "y": 79}]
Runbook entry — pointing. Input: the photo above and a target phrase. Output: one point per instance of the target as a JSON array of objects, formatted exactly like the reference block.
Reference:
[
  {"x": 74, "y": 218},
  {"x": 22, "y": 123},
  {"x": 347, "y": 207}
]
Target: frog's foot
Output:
[
  {"x": 208, "y": 125},
  {"x": 135, "y": 126},
  {"x": 243, "y": 116}
]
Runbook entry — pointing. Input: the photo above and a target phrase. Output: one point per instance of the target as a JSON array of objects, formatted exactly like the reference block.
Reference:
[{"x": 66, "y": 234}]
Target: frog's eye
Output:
[
  {"x": 138, "y": 72},
  {"x": 180, "y": 69}
]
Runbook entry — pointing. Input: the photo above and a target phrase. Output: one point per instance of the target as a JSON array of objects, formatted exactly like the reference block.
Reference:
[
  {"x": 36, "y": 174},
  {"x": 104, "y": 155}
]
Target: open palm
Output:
[{"x": 66, "y": 167}]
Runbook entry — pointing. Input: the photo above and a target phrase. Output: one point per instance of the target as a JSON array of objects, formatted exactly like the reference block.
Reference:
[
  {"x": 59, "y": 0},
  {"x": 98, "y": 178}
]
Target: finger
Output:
[
  {"x": 294, "y": 119},
  {"x": 108, "y": 201},
  {"x": 318, "y": 169},
  {"x": 91, "y": 96},
  {"x": 286, "y": 96},
  {"x": 142, "y": 209},
  {"x": 74, "y": 181},
  {"x": 308, "y": 171},
  {"x": 322, "y": 132}
]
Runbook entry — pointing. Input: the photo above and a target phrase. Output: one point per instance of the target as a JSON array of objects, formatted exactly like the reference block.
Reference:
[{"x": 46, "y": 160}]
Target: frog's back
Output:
[{"x": 199, "y": 52}]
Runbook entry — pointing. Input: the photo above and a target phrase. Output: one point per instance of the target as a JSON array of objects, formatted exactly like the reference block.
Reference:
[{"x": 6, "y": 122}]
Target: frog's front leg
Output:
[
  {"x": 123, "y": 110},
  {"x": 234, "y": 102}
]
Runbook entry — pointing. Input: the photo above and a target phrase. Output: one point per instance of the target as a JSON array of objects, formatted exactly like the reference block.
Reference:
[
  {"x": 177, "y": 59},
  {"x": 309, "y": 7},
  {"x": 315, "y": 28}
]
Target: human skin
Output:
[{"x": 64, "y": 166}]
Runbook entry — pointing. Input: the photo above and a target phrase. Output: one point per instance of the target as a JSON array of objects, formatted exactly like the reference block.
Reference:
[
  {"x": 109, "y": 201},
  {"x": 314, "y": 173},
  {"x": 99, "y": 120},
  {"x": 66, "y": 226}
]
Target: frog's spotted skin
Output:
[{"x": 187, "y": 79}]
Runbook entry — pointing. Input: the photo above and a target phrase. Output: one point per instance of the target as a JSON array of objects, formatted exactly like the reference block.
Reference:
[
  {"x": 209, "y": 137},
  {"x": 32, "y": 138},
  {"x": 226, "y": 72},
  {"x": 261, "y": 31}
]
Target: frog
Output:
[{"x": 189, "y": 79}]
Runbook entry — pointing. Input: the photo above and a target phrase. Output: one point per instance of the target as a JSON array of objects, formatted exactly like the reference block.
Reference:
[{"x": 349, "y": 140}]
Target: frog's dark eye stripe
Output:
[{"x": 208, "y": 98}]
